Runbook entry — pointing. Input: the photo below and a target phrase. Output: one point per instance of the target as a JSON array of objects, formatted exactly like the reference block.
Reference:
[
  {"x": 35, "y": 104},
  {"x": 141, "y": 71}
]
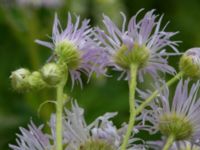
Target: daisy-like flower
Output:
[
  {"x": 74, "y": 46},
  {"x": 142, "y": 43},
  {"x": 184, "y": 146},
  {"x": 101, "y": 134},
  {"x": 32, "y": 139},
  {"x": 180, "y": 145},
  {"x": 179, "y": 118}
]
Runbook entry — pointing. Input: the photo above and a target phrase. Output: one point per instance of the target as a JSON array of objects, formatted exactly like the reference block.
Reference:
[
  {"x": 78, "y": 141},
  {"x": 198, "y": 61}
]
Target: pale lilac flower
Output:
[
  {"x": 179, "y": 145},
  {"x": 185, "y": 145},
  {"x": 145, "y": 33},
  {"x": 79, "y": 36},
  {"x": 179, "y": 116},
  {"x": 77, "y": 133},
  {"x": 32, "y": 139}
]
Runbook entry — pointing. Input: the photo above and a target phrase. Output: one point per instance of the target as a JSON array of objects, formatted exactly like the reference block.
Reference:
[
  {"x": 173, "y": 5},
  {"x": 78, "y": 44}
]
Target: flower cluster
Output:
[
  {"x": 137, "y": 48},
  {"x": 77, "y": 135}
]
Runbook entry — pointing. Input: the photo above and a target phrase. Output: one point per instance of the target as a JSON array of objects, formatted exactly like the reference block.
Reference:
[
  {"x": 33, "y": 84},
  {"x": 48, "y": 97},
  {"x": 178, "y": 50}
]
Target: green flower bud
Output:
[
  {"x": 190, "y": 63},
  {"x": 138, "y": 55},
  {"x": 52, "y": 74},
  {"x": 178, "y": 126},
  {"x": 35, "y": 81},
  {"x": 96, "y": 145},
  {"x": 19, "y": 79},
  {"x": 68, "y": 53}
]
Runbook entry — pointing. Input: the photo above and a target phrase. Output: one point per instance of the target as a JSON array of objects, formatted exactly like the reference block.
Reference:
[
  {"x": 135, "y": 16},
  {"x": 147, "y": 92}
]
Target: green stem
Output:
[
  {"x": 59, "y": 112},
  {"x": 59, "y": 108},
  {"x": 169, "y": 142},
  {"x": 156, "y": 92},
  {"x": 132, "y": 87}
]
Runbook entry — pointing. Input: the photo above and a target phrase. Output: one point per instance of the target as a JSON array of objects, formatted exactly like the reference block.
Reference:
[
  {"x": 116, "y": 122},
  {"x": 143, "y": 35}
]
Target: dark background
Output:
[{"x": 21, "y": 25}]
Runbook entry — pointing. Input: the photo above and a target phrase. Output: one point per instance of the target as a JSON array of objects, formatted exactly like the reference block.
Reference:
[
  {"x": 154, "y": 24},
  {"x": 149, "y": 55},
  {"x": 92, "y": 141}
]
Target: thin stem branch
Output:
[
  {"x": 156, "y": 92},
  {"x": 169, "y": 142},
  {"x": 132, "y": 87}
]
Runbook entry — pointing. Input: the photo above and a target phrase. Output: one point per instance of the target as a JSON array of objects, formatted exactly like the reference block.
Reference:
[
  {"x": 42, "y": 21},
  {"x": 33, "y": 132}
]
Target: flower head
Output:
[
  {"x": 74, "y": 46},
  {"x": 190, "y": 63},
  {"x": 179, "y": 145},
  {"x": 142, "y": 42},
  {"x": 32, "y": 139},
  {"x": 180, "y": 117},
  {"x": 184, "y": 146},
  {"x": 19, "y": 79},
  {"x": 101, "y": 134}
]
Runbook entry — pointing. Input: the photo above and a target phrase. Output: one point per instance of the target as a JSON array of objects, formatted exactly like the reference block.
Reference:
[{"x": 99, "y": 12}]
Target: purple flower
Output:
[
  {"x": 77, "y": 134},
  {"x": 32, "y": 139},
  {"x": 142, "y": 42},
  {"x": 179, "y": 117},
  {"x": 101, "y": 132},
  {"x": 179, "y": 145},
  {"x": 74, "y": 46}
]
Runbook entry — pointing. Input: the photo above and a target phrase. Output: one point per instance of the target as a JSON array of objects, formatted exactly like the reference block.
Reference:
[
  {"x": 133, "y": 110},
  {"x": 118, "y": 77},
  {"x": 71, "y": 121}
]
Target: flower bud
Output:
[
  {"x": 52, "y": 74},
  {"x": 138, "y": 55},
  {"x": 68, "y": 53},
  {"x": 35, "y": 81},
  {"x": 190, "y": 63},
  {"x": 19, "y": 79}
]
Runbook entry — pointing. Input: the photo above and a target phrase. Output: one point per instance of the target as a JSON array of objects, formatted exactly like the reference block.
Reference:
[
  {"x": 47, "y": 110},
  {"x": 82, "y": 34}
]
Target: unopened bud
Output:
[
  {"x": 19, "y": 79},
  {"x": 190, "y": 63},
  {"x": 52, "y": 74},
  {"x": 35, "y": 81}
]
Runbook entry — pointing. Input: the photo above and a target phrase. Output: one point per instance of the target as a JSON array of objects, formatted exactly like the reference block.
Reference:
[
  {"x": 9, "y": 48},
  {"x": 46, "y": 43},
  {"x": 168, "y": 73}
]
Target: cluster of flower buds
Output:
[
  {"x": 50, "y": 75},
  {"x": 24, "y": 80}
]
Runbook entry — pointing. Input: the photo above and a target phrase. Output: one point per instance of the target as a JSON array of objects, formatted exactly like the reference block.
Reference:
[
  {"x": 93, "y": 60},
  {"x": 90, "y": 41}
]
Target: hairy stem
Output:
[
  {"x": 156, "y": 92},
  {"x": 132, "y": 87},
  {"x": 169, "y": 142},
  {"x": 59, "y": 112}
]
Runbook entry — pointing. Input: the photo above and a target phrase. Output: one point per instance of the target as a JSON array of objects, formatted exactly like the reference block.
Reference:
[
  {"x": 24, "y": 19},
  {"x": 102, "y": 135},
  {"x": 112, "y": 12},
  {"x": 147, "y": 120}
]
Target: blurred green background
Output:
[{"x": 21, "y": 25}]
